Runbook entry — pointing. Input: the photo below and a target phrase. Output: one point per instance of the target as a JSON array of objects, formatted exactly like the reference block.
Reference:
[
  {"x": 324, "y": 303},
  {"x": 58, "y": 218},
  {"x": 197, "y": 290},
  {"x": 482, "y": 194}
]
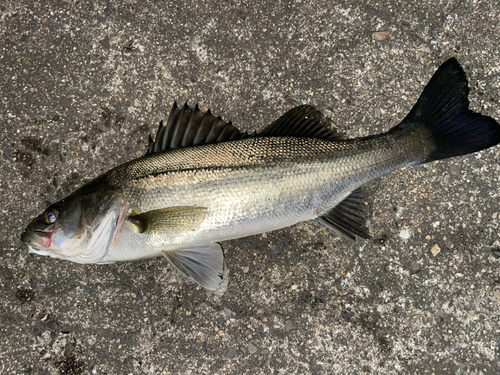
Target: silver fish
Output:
[{"x": 202, "y": 181}]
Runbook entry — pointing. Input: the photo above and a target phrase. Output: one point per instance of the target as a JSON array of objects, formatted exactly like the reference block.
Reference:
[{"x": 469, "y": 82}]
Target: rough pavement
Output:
[{"x": 82, "y": 83}]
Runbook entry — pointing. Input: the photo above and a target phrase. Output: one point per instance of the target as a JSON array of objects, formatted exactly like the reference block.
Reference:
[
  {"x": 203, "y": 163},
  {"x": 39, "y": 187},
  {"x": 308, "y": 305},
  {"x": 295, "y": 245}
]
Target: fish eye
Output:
[{"x": 51, "y": 216}]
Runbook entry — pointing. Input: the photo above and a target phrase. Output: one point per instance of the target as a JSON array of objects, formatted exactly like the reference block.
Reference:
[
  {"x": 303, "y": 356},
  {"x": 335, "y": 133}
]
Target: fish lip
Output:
[{"x": 37, "y": 237}]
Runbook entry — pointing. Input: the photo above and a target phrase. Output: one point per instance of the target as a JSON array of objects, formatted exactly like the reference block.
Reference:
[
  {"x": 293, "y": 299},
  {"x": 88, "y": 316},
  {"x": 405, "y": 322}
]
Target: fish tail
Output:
[{"x": 442, "y": 113}]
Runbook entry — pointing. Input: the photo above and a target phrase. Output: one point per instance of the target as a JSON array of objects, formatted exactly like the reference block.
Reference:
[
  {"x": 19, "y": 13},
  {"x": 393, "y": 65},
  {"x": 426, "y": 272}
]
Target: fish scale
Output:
[{"x": 262, "y": 184}]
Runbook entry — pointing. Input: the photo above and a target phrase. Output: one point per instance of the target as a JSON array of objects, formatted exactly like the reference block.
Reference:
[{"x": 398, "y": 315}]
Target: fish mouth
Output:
[{"x": 37, "y": 240}]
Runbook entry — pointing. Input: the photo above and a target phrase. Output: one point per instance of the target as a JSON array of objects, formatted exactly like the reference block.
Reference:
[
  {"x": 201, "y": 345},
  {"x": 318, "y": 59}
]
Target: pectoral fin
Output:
[
  {"x": 172, "y": 219},
  {"x": 203, "y": 263}
]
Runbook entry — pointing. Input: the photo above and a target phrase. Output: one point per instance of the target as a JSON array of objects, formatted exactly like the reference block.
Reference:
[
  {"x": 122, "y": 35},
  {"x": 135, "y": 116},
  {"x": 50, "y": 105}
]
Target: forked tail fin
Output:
[{"x": 443, "y": 108}]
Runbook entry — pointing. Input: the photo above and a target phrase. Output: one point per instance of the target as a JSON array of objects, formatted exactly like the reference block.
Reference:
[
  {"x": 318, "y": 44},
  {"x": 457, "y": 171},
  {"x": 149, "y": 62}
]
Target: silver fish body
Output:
[
  {"x": 202, "y": 182},
  {"x": 250, "y": 186}
]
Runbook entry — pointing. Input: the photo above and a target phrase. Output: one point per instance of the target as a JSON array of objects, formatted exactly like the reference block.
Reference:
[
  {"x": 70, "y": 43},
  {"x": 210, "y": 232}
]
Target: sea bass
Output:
[{"x": 202, "y": 181}]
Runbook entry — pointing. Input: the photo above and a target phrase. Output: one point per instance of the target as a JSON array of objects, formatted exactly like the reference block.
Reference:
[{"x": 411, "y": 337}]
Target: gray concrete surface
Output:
[{"x": 82, "y": 83}]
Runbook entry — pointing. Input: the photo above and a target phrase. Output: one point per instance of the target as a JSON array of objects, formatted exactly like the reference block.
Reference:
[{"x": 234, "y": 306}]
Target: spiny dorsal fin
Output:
[
  {"x": 302, "y": 121},
  {"x": 191, "y": 127},
  {"x": 348, "y": 217}
]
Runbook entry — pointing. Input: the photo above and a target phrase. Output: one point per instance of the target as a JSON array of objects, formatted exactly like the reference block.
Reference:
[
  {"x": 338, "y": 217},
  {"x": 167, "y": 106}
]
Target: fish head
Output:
[{"x": 79, "y": 228}]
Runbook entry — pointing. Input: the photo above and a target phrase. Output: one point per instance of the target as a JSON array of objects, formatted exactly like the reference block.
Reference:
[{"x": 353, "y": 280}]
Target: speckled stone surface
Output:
[{"x": 82, "y": 83}]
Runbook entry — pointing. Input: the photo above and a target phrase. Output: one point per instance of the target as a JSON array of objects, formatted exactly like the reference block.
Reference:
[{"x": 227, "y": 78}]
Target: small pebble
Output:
[
  {"x": 496, "y": 294},
  {"x": 454, "y": 169},
  {"x": 435, "y": 250},
  {"x": 251, "y": 348},
  {"x": 412, "y": 266},
  {"x": 381, "y": 35},
  {"x": 246, "y": 269},
  {"x": 404, "y": 234}
]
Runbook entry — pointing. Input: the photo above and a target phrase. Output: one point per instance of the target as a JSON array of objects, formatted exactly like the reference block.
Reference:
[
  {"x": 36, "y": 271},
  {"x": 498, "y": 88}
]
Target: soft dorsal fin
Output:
[
  {"x": 191, "y": 127},
  {"x": 348, "y": 217},
  {"x": 302, "y": 121}
]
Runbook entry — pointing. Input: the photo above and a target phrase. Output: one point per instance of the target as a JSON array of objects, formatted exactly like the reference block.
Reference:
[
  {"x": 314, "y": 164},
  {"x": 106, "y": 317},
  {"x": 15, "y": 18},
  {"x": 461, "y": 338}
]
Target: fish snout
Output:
[
  {"x": 26, "y": 237},
  {"x": 37, "y": 238}
]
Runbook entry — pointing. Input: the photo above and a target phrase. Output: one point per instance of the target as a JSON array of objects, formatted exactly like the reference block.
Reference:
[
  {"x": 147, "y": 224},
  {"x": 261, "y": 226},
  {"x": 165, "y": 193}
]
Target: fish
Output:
[{"x": 202, "y": 181}]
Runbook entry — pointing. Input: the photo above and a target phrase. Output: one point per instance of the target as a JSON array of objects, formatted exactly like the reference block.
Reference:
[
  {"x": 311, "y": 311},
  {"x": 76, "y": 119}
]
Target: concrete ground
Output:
[{"x": 83, "y": 83}]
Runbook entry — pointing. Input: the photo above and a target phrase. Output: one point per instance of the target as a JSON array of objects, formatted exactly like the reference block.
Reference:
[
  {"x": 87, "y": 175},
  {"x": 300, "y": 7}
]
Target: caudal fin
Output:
[{"x": 443, "y": 108}]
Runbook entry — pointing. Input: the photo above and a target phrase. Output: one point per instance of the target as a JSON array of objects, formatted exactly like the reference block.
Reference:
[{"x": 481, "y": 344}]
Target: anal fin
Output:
[
  {"x": 202, "y": 263},
  {"x": 348, "y": 217}
]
